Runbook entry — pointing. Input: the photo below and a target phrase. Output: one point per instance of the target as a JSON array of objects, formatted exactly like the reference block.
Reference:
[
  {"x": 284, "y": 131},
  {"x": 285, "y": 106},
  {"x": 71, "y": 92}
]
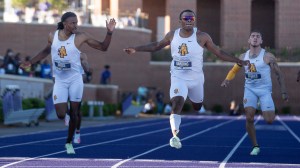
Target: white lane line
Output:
[
  {"x": 86, "y": 134},
  {"x": 297, "y": 118},
  {"x": 162, "y": 146},
  {"x": 83, "y": 127},
  {"x": 101, "y": 143},
  {"x": 288, "y": 128},
  {"x": 223, "y": 164}
]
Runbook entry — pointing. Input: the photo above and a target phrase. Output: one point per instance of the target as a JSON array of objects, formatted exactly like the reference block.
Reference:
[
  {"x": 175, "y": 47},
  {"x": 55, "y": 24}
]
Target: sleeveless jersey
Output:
[
  {"x": 187, "y": 56},
  {"x": 258, "y": 74},
  {"x": 65, "y": 58}
]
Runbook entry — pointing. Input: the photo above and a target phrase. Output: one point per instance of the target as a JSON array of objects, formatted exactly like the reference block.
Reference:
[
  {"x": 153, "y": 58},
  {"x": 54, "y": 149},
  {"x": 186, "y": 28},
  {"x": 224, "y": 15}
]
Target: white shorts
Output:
[
  {"x": 263, "y": 96},
  {"x": 188, "y": 88},
  {"x": 64, "y": 89}
]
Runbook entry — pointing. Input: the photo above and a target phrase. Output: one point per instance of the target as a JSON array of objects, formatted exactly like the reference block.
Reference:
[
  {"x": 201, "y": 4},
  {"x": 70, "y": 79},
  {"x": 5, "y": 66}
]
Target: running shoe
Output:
[
  {"x": 67, "y": 120},
  {"x": 175, "y": 142},
  {"x": 77, "y": 138},
  {"x": 69, "y": 148},
  {"x": 255, "y": 150}
]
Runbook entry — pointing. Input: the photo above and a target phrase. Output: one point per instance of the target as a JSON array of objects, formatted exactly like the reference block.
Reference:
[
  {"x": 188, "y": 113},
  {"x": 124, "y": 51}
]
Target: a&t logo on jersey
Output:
[
  {"x": 62, "y": 52},
  {"x": 252, "y": 68},
  {"x": 183, "y": 49}
]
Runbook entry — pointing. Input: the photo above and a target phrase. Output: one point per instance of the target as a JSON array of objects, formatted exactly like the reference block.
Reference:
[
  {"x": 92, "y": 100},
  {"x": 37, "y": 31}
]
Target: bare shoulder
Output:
[
  {"x": 51, "y": 36},
  {"x": 269, "y": 58},
  {"x": 169, "y": 36},
  {"x": 202, "y": 34},
  {"x": 80, "y": 34},
  {"x": 203, "y": 38}
]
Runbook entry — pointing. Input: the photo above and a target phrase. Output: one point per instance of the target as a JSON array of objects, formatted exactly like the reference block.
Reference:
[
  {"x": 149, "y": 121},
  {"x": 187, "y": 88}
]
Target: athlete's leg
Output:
[
  {"x": 78, "y": 118},
  {"x": 178, "y": 94},
  {"x": 175, "y": 118},
  {"x": 196, "y": 92},
  {"x": 250, "y": 127},
  {"x": 73, "y": 120},
  {"x": 60, "y": 99},
  {"x": 267, "y": 107},
  {"x": 269, "y": 116},
  {"x": 250, "y": 105},
  {"x": 75, "y": 93},
  {"x": 78, "y": 125}
]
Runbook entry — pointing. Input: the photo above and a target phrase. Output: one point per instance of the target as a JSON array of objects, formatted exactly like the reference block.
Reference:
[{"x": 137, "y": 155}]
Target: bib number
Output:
[
  {"x": 253, "y": 75},
  {"x": 62, "y": 65},
  {"x": 183, "y": 65}
]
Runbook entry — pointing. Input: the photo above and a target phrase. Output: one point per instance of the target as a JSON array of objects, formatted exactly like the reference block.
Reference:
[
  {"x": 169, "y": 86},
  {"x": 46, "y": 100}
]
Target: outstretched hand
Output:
[
  {"x": 129, "y": 50},
  {"x": 225, "y": 83},
  {"x": 244, "y": 62},
  {"x": 110, "y": 25}
]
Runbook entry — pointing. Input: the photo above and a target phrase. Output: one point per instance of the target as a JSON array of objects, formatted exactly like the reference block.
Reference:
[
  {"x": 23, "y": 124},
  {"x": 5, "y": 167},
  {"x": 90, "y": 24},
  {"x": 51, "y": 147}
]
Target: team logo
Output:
[
  {"x": 252, "y": 68},
  {"x": 54, "y": 97},
  {"x": 183, "y": 49},
  {"x": 176, "y": 91},
  {"x": 62, "y": 52},
  {"x": 245, "y": 101}
]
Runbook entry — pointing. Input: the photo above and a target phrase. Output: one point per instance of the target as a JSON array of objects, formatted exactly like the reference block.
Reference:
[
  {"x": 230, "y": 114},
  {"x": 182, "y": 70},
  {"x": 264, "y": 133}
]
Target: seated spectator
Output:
[
  {"x": 46, "y": 70},
  {"x": 168, "y": 109}
]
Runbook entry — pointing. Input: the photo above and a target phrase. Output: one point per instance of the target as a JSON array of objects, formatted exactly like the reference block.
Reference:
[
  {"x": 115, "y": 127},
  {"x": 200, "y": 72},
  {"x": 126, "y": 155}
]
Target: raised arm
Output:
[
  {"x": 271, "y": 60},
  {"x": 41, "y": 55},
  {"x": 231, "y": 74},
  {"x": 102, "y": 46},
  {"x": 155, "y": 46},
  {"x": 207, "y": 42}
]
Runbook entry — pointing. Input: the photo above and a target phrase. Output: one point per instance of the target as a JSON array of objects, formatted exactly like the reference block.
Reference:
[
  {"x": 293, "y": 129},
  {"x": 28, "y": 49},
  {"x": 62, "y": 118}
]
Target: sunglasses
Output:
[{"x": 188, "y": 18}]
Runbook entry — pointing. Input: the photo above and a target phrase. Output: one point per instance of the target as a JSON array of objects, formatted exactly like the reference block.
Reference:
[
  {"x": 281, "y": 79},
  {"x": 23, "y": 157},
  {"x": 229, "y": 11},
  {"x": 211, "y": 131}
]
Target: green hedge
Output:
[{"x": 108, "y": 109}]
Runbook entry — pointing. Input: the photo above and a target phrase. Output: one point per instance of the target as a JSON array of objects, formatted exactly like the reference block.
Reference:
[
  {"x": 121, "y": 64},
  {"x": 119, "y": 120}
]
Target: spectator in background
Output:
[
  {"x": 28, "y": 71},
  {"x": 168, "y": 109},
  {"x": 46, "y": 70},
  {"x": 159, "y": 101},
  {"x": 37, "y": 69},
  {"x": 2, "y": 69},
  {"x": 17, "y": 61},
  {"x": 9, "y": 64},
  {"x": 149, "y": 107},
  {"x": 106, "y": 75},
  {"x": 142, "y": 95}
]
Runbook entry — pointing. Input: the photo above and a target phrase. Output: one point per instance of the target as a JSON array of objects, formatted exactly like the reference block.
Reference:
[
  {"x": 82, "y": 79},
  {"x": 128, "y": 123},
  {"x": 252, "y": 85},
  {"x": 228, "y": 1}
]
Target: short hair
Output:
[
  {"x": 256, "y": 31},
  {"x": 64, "y": 17},
  {"x": 187, "y": 10}
]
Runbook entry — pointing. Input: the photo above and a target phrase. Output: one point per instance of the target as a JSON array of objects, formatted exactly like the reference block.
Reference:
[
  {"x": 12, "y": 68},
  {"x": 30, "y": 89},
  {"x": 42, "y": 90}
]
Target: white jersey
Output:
[
  {"x": 65, "y": 58},
  {"x": 187, "y": 56},
  {"x": 258, "y": 75}
]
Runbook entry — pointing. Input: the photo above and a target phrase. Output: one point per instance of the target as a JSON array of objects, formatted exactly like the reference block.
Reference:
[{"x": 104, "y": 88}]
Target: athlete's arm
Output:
[
  {"x": 207, "y": 42},
  {"x": 96, "y": 44},
  {"x": 271, "y": 60},
  {"x": 231, "y": 74},
  {"x": 84, "y": 62},
  {"x": 41, "y": 55},
  {"x": 151, "y": 47}
]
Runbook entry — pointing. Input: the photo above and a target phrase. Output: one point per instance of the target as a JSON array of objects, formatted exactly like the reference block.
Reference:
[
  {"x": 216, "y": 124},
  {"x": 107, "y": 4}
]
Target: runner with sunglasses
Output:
[{"x": 187, "y": 78}]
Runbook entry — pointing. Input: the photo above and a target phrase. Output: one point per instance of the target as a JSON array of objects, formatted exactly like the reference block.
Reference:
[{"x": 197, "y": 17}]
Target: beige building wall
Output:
[
  {"x": 287, "y": 24},
  {"x": 235, "y": 23}
]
